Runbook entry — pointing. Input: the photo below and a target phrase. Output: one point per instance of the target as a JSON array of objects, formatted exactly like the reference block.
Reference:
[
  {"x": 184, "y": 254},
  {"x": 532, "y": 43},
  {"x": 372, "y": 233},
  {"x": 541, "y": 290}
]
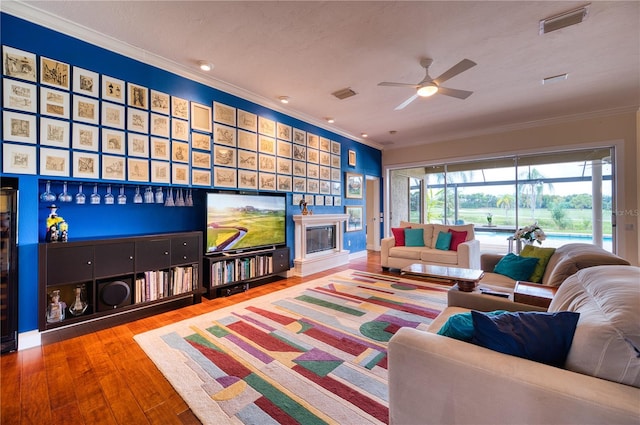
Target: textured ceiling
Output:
[{"x": 306, "y": 50}]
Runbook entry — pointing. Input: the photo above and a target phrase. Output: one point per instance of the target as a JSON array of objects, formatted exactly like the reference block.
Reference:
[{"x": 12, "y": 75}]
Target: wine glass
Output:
[
  {"x": 159, "y": 196},
  {"x": 65, "y": 196},
  {"x": 122, "y": 198},
  {"x": 148, "y": 196},
  {"x": 95, "y": 196},
  {"x": 179, "y": 199},
  {"x": 47, "y": 195},
  {"x": 189, "y": 201},
  {"x": 169, "y": 202},
  {"x": 137, "y": 198},
  {"x": 109, "y": 199},
  {"x": 80, "y": 198}
]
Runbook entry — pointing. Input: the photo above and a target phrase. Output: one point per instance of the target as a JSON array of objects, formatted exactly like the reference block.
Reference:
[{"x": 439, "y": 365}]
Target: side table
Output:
[{"x": 534, "y": 294}]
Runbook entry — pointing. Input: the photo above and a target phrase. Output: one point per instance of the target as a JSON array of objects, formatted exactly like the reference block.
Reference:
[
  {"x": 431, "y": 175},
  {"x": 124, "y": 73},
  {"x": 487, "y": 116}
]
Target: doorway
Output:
[{"x": 372, "y": 208}]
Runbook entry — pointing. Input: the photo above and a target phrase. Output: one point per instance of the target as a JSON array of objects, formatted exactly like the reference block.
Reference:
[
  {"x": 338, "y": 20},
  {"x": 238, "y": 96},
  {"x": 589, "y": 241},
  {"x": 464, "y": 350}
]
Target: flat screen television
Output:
[{"x": 239, "y": 221}]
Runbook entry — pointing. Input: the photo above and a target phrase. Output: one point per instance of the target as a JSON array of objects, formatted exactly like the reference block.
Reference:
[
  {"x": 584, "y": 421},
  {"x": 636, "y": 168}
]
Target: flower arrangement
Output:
[{"x": 531, "y": 233}]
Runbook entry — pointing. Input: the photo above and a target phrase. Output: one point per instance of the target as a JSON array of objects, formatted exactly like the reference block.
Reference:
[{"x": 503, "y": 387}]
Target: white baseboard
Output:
[{"x": 29, "y": 339}]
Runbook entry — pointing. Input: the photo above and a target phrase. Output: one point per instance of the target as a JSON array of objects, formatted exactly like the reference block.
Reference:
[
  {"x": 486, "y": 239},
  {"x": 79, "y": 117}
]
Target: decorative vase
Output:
[
  {"x": 305, "y": 211},
  {"x": 55, "y": 309},
  {"x": 80, "y": 304}
]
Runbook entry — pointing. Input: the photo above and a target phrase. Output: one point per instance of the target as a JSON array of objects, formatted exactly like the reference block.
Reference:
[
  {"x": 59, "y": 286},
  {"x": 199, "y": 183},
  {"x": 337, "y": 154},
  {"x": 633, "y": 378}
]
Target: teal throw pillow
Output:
[
  {"x": 516, "y": 267},
  {"x": 460, "y": 326},
  {"x": 444, "y": 241},
  {"x": 543, "y": 255},
  {"x": 413, "y": 237}
]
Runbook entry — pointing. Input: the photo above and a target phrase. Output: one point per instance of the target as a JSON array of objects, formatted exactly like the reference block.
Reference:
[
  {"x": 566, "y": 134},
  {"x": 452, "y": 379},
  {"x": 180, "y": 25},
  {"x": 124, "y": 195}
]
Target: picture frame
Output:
[
  {"x": 138, "y": 145},
  {"x": 54, "y": 73},
  {"x": 336, "y": 188},
  {"x": 160, "y": 172},
  {"x": 247, "y": 179},
  {"x": 328, "y": 201},
  {"x": 247, "y": 140},
  {"x": 335, "y": 161},
  {"x": 310, "y": 200},
  {"x": 299, "y": 152},
  {"x": 137, "y": 170},
  {"x": 313, "y": 141},
  {"x": 17, "y": 127},
  {"x": 300, "y": 168},
  {"x": 86, "y": 165},
  {"x": 137, "y": 96},
  {"x": 18, "y": 159},
  {"x": 224, "y": 177},
  {"x": 284, "y": 149},
  {"x": 266, "y": 126},
  {"x": 313, "y": 171},
  {"x": 296, "y": 199},
  {"x": 224, "y": 114},
  {"x": 113, "y": 167},
  {"x": 201, "y": 177},
  {"x": 325, "y": 158},
  {"x": 160, "y": 102},
  {"x": 313, "y": 155},
  {"x": 19, "y": 64},
  {"x": 266, "y": 163},
  {"x": 113, "y": 141},
  {"x": 299, "y": 184},
  {"x": 325, "y": 173},
  {"x": 20, "y": 96},
  {"x": 113, "y": 115},
  {"x": 336, "y": 175},
  {"x": 247, "y": 120},
  {"x": 353, "y": 185},
  {"x": 267, "y": 181},
  {"x": 137, "y": 120},
  {"x": 85, "y": 137},
  {"x": 247, "y": 159},
  {"x": 266, "y": 144},
  {"x": 113, "y": 89},
  {"x": 180, "y": 174},
  {"x": 224, "y": 135},
  {"x": 86, "y": 82},
  {"x": 283, "y": 131},
  {"x": 283, "y": 165},
  {"x": 313, "y": 186},
  {"x": 337, "y": 201},
  {"x": 179, "y": 108},
  {"x": 299, "y": 137},
  {"x": 200, "y": 160},
  {"x": 201, "y": 117},
  {"x": 352, "y": 158},
  {"x": 86, "y": 109},
  {"x": 54, "y": 132},
  {"x": 200, "y": 141},
  {"x": 283, "y": 183},
  {"x": 325, "y": 144},
  {"x": 54, "y": 103},
  {"x": 319, "y": 200},
  {"x": 335, "y": 148},
  {"x": 325, "y": 187},
  {"x": 159, "y": 125},
  {"x": 180, "y": 152},
  {"x": 354, "y": 219},
  {"x": 180, "y": 129},
  {"x": 224, "y": 156},
  {"x": 54, "y": 162},
  {"x": 160, "y": 149}
]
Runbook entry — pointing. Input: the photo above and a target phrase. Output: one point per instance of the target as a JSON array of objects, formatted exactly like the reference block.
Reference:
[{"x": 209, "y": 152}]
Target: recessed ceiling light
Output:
[
  {"x": 284, "y": 99},
  {"x": 205, "y": 66},
  {"x": 365, "y": 135},
  {"x": 330, "y": 120}
]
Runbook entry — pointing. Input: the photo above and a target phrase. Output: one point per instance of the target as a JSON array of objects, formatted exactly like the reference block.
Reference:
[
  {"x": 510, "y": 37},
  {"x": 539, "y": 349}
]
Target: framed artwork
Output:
[
  {"x": 247, "y": 120},
  {"x": 138, "y": 145},
  {"x": 224, "y": 135},
  {"x": 309, "y": 199},
  {"x": 160, "y": 102},
  {"x": 137, "y": 120},
  {"x": 159, "y": 125},
  {"x": 352, "y": 158},
  {"x": 325, "y": 158},
  {"x": 325, "y": 173},
  {"x": 85, "y": 109},
  {"x": 200, "y": 117},
  {"x": 86, "y": 165},
  {"x": 54, "y": 132},
  {"x": 337, "y": 201},
  {"x": 201, "y": 177},
  {"x": 54, "y": 162},
  {"x": 354, "y": 221},
  {"x": 267, "y": 163},
  {"x": 336, "y": 174},
  {"x": 319, "y": 200},
  {"x": 247, "y": 159},
  {"x": 113, "y": 141},
  {"x": 266, "y": 145},
  {"x": 335, "y": 161},
  {"x": 296, "y": 199},
  {"x": 325, "y": 187},
  {"x": 224, "y": 156},
  {"x": 313, "y": 186},
  {"x": 325, "y": 144},
  {"x": 179, "y": 108},
  {"x": 328, "y": 200},
  {"x": 138, "y": 96},
  {"x": 224, "y": 114},
  {"x": 18, "y": 159},
  {"x": 267, "y": 181},
  {"x": 284, "y": 149},
  {"x": 247, "y": 140},
  {"x": 313, "y": 171},
  {"x": 137, "y": 170},
  {"x": 336, "y": 188},
  {"x": 299, "y": 184},
  {"x": 179, "y": 129},
  {"x": 86, "y": 82},
  {"x": 160, "y": 148},
  {"x": 113, "y": 115},
  {"x": 201, "y": 141},
  {"x": 224, "y": 177},
  {"x": 200, "y": 159},
  {"x": 284, "y": 183},
  {"x": 299, "y": 152},
  {"x": 179, "y": 174},
  {"x": 335, "y": 148},
  {"x": 112, "y": 89},
  {"x": 299, "y": 137},
  {"x": 283, "y": 165},
  {"x": 20, "y": 96},
  {"x": 354, "y": 185},
  {"x": 85, "y": 137},
  {"x": 19, "y": 64},
  {"x": 313, "y": 141},
  {"x": 18, "y": 127},
  {"x": 160, "y": 172},
  {"x": 180, "y": 152},
  {"x": 113, "y": 167},
  {"x": 54, "y": 103},
  {"x": 283, "y": 131},
  {"x": 300, "y": 168},
  {"x": 247, "y": 179},
  {"x": 54, "y": 73},
  {"x": 313, "y": 155},
  {"x": 266, "y": 127}
]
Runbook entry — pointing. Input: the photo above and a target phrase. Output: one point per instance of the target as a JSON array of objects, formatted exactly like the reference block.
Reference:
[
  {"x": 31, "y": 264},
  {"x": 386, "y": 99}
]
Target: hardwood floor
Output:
[{"x": 105, "y": 377}]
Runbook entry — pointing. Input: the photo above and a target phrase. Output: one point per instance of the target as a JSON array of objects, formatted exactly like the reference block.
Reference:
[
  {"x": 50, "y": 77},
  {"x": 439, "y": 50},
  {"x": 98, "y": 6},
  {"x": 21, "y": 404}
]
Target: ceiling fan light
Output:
[{"x": 427, "y": 90}]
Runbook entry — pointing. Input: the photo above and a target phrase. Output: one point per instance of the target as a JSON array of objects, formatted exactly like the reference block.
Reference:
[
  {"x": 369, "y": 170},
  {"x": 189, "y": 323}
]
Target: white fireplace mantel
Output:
[{"x": 305, "y": 264}]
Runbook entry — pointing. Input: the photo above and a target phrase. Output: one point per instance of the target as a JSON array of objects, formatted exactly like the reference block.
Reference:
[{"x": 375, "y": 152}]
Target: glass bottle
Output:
[
  {"x": 55, "y": 309},
  {"x": 79, "y": 306},
  {"x": 159, "y": 196}
]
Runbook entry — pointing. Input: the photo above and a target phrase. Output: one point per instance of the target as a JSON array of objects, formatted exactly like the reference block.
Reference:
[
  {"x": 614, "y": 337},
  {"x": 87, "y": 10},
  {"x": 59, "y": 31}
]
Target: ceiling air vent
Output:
[
  {"x": 564, "y": 20},
  {"x": 344, "y": 93}
]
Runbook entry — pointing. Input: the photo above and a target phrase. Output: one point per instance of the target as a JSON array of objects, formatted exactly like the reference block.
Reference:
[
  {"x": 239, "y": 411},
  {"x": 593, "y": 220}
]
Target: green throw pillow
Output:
[
  {"x": 543, "y": 255},
  {"x": 413, "y": 237},
  {"x": 444, "y": 241},
  {"x": 516, "y": 267}
]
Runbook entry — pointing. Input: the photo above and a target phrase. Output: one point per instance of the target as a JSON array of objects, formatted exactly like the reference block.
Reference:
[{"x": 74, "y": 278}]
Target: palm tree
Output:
[
  {"x": 532, "y": 189},
  {"x": 506, "y": 202}
]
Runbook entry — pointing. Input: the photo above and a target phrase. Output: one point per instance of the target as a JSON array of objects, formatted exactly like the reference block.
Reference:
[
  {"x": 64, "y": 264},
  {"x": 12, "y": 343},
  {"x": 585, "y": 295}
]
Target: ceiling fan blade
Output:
[
  {"x": 384, "y": 83},
  {"x": 460, "y": 94},
  {"x": 406, "y": 102},
  {"x": 456, "y": 69}
]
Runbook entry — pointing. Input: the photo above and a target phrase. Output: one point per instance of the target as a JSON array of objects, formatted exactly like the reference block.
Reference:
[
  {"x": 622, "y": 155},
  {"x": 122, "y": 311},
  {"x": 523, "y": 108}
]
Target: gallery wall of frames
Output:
[{"x": 114, "y": 142}]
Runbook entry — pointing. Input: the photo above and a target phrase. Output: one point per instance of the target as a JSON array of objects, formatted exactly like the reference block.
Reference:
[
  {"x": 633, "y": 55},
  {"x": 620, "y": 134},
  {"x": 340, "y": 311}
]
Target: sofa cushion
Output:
[
  {"x": 408, "y": 252},
  {"x": 537, "y": 336},
  {"x": 426, "y": 228},
  {"x": 398, "y": 234},
  {"x": 460, "y": 326},
  {"x": 413, "y": 237},
  {"x": 444, "y": 241},
  {"x": 456, "y": 238},
  {"x": 516, "y": 267},
  {"x": 437, "y": 256},
  {"x": 445, "y": 228},
  {"x": 607, "y": 340},
  {"x": 543, "y": 255}
]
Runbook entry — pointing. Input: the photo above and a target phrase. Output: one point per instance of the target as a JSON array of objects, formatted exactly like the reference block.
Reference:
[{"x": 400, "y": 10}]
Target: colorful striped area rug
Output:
[{"x": 311, "y": 354}]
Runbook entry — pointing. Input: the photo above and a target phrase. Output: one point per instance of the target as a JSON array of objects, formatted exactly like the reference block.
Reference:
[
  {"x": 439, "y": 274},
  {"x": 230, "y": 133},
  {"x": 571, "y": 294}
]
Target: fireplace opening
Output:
[{"x": 321, "y": 238}]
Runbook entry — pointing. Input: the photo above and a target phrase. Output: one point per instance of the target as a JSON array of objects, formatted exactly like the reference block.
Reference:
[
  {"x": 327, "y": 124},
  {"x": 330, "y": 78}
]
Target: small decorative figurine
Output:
[
  {"x": 303, "y": 207},
  {"x": 57, "y": 228}
]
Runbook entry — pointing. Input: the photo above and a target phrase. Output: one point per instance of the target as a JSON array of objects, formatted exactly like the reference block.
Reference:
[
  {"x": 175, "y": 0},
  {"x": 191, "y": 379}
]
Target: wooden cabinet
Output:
[
  {"x": 118, "y": 279},
  {"x": 229, "y": 274}
]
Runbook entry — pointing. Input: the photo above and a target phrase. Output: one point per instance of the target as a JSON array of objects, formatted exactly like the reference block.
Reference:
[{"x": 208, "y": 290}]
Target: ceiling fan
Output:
[{"x": 430, "y": 86}]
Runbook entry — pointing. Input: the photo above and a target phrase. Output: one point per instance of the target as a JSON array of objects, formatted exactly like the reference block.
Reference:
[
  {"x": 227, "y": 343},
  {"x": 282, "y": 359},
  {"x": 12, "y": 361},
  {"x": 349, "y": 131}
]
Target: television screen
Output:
[{"x": 240, "y": 221}]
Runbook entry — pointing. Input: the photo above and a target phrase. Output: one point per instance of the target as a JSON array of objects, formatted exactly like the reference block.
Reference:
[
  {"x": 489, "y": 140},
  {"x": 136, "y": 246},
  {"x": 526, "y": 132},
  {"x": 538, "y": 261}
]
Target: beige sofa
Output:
[
  {"x": 435, "y": 379},
  {"x": 397, "y": 257}
]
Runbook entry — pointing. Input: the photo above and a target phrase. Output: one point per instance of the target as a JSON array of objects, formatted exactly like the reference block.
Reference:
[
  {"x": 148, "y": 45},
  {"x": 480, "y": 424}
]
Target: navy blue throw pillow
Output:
[
  {"x": 516, "y": 267},
  {"x": 538, "y": 336}
]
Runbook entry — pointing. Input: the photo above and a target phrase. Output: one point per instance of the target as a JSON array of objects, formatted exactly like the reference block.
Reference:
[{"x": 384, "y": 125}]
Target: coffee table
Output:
[{"x": 466, "y": 279}]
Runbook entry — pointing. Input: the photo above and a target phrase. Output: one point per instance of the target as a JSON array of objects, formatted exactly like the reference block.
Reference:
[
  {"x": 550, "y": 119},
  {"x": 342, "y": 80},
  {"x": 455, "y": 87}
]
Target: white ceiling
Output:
[{"x": 308, "y": 49}]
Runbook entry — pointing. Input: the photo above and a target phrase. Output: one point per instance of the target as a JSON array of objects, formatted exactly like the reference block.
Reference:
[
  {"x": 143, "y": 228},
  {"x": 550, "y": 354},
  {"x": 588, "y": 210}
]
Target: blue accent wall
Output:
[{"x": 106, "y": 221}]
